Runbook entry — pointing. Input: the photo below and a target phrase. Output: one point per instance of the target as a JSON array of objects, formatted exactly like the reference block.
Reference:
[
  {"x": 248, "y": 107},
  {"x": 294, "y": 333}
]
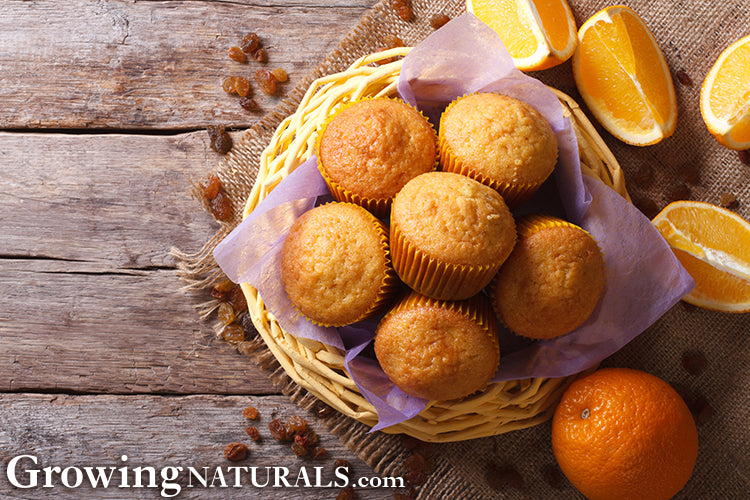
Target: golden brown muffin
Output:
[
  {"x": 336, "y": 264},
  {"x": 438, "y": 350},
  {"x": 552, "y": 280},
  {"x": 370, "y": 149},
  {"x": 499, "y": 141},
  {"x": 449, "y": 235}
]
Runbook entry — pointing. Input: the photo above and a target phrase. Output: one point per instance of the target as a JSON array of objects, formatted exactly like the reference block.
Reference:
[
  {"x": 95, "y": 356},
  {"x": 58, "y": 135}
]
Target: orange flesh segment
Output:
[
  {"x": 713, "y": 285},
  {"x": 513, "y": 29},
  {"x": 554, "y": 19},
  {"x": 730, "y": 92}
]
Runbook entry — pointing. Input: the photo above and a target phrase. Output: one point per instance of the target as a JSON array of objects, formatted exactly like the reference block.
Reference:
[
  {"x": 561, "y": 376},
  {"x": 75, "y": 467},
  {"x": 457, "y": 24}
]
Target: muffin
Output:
[
  {"x": 449, "y": 235},
  {"x": 371, "y": 148},
  {"x": 335, "y": 264},
  {"x": 552, "y": 281},
  {"x": 499, "y": 141},
  {"x": 438, "y": 350}
]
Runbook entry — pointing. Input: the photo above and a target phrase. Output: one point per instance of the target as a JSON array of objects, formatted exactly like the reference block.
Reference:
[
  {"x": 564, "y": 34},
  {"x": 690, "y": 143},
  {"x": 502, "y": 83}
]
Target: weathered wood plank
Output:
[
  {"x": 158, "y": 432},
  {"x": 65, "y": 326},
  {"x": 159, "y": 65}
]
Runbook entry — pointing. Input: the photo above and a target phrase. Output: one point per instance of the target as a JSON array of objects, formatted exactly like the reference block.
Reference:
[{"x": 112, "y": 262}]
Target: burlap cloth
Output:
[{"x": 520, "y": 464}]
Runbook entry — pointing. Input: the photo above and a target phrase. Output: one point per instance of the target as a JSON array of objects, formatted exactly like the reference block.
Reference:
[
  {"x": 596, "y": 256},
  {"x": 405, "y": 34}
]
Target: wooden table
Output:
[{"x": 103, "y": 110}]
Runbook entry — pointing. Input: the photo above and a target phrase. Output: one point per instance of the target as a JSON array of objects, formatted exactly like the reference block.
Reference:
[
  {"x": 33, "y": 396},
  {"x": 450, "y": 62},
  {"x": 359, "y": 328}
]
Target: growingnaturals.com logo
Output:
[{"x": 24, "y": 471}]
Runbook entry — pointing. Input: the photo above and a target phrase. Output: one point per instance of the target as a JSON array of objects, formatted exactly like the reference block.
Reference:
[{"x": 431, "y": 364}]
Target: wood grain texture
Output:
[
  {"x": 122, "y": 64},
  {"x": 190, "y": 431}
]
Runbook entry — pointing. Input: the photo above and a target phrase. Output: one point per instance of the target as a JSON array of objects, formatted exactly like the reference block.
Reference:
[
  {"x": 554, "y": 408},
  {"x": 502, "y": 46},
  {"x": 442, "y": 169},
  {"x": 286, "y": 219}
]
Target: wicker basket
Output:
[{"x": 319, "y": 368}]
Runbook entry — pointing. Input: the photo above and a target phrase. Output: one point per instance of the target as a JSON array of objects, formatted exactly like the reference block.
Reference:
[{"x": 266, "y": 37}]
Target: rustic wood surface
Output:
[{"x": 103, "y": 107}]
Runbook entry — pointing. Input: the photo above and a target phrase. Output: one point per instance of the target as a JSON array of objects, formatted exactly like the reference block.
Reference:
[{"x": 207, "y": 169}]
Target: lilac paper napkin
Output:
[{"x": 644, "y": 279}]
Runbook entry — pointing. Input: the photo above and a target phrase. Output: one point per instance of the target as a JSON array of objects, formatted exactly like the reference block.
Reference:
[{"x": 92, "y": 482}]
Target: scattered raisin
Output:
[
  {"x": 220, "y": 206},
  {"x": 229, "y": 85},
  {"x": 553, "y": 476},
  {"x": 415, "y": 462},
  {"x": 242, "y": 86},
  {"x": 694, "y": 362},
  {"x": 689, "y": 173},
  {"x": 250, "y": 412},
  {"x": 260, "y": 55},
  {"x": 278, "y": 430},
  {"x": 403, "y": 9},
  {"x": 683, "y": 77},
  {"x": 311, "y": 437},
  {"x": 340, "y": 462},
  {"x": 677, "y": 191},
  {"x": 498, "y": 477},
  {"x": 212, "y": 188},
  {"x": 220, "y": 289},
  {"x": 728, "y": 200},
  {"x": 405, "y": 493},
  {"x": 237, "y": 299},
  {"x": 318, "y": 453},
  {"x": 390, "y": 42},
  {"x": 266, "y": 81},
  {"x": 226, "y": 313},
  {"x": 247, "y": 324},
  {"x": 215, "y": 131},
  {"x": 643, "y": 175},
  {"x": 233, "y": 333},
  {"x": 280, "y": 75},
  {"x": 346, "y": 493},
  {"x": 253, "y": 433},
  {"x": 249, "y": 43},
  {"x": 248, "y": 104},
  {"x": 416, "y": 477},
  {"x": 221, "y": 143},
  {"x": 427, "y": 450},
  {"x": 321, "y": 410},
  {"x": 744, "y": 156},
  {"x": 439, "y": 20},
  {"x": 295, "y": 425},
  {"x": 236, "y": 54},
  {"x": 299, "y": 449},
  {"x": 235, "y": 451}
]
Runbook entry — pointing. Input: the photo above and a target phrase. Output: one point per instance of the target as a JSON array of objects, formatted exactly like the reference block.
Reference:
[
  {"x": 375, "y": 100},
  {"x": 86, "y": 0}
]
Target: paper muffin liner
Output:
[
  {"x": 389, "y": 285},
  {"x": 377, "y": 206},
  {"x": 514, "y": 194},
  {"x": 433, "y": 277}
]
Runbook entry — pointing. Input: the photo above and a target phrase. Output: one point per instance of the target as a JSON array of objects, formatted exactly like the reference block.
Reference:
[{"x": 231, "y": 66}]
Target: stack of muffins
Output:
[{"x": 448, "y": 259}]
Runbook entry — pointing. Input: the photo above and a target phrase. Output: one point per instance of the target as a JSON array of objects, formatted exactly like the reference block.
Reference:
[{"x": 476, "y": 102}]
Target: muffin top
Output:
[
  {"x": 500, "y": 138},
  {"x": 435, "y": 350},
  {"x": 551, "y": 282},
  {"x": 455, "y": 219},
  {"x": 335, "y": 262},
  {"x": 373, "y": 147}
]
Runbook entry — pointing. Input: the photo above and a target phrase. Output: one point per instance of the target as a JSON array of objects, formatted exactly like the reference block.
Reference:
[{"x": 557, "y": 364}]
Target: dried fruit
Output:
[
  {"x": 247, "y": 324},
  {"x": 250, "y": 412},
  {"x": 295, "y": 425},
  {"x": 280, "y": 74},
  {"x": 250, "y": 43},
  {"x": 248, "y": 104},
  {"x": 416, "y": 477},
  {"x": 242, "y": 86},
  {"x": 299, "y": 449},
  {"x": 253, "y": 433},
  {"x": 212, "y": 188},
  {"x": 403, "y": 9},
  {"x": 220, "y": 140},
  {"x": 728, "y": 200},
  {"x": 260, "y": 55},
  {"x": 278, "y": 430},
  {"x": 226, "y": 313},
  {"x": 744, "y": 156},
  {"x": 235, "y": 451},
  {"x": 415, "y": 462},
  {"x": 677, "y": 191},
  {"x": 340, "y": 462},
  {"x": 346, "y": 493},
  {"x": 236, "y": 298},
  {"x": 390, "y": 42},
  {"x": 266, "y": 81},
  {"x": 683, "y": 77},
  {"x": 439, "y": 20},
  {"x": 236, "y": 54},
  {"x": 220, "y": 206},
  {"x": 694, "y": 362},
  {"x": 233, "y": 333},
  {"x": 405, "y": 493},
  {"x": 229, "y": 85},
  {"x": 318, "y": 453},
  {"x": 321, "y": 410}
]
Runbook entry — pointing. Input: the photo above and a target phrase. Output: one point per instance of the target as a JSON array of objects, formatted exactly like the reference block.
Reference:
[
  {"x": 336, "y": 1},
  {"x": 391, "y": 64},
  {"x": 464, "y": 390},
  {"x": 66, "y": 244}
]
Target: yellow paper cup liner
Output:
[
  {"x": 433, "y": 277},
  {"x": 389, "y": 284},
  {"x": 514, "y": 194},
  {"x": 377, "y": 206}
]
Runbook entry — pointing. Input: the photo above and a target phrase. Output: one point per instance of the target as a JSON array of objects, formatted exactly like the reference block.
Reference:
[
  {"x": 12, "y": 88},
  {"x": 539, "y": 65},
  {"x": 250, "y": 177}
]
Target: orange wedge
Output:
[
  {"x": 539, "y": 34},
  {"x": 713, "y": 244},
  {"x": 725, "y": 96},
  {"x": 623, "y": 77}
]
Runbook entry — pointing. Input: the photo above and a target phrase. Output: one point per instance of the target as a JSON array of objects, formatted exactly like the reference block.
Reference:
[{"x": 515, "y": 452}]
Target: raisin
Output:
[
  {"x": 553, "y": 476},
  {"x": 226, "y": 313},
  {"x": 405, "y": 493},
  {"x": 212, "y": 188},
  {"x": 416, "y": 477},
  {"x": 744, "y": 156},
  {"x": 318, "y": 453},
  {"x": 694, "y": 362},
  {"x": 233, "y": 333},
  {"x": 403, "y": 9},
  {"x": 299, "y": 449},
  {"x": 229, "y": 84},
  {"x": 278, "y": 430},
  {"x": 683, "y": 77},
  {"x": 340, "y": 462},
  {"x": 295, "y": 425},
  {"x": 689, "y": 173},
  {"x": 224, "y": 285},
  {"x": 677, "y": 191},
  {"x": 220, "y": 206},
  {"x": 215, "y": 131},
  {"x": 249, "y": 43},
  {"x": 247, "y": 324},
  {"x": 260, "y": 55},
  {"x": 236, "y": 54},
  {"x": 643, "y": 175},
  {"x": 235, "y": 451},
  {"x": 439, "y": 20},
  {"x": 346, "y": 493},
  {"x": 415, "y": 462},
  {"x": 728, "y": 200},
  {"x": 311, "y": 437},
  {"x": 253, "y": 433},
  {"x": 242, "y": 86},
  {"x": 237, "y": 299},
  {"x": 248, "y": 104},
  {"x": 321, "y": 410},
  {"x": 250, "y": 412},
  {"x": 280, "y": 75},
  {"x": 221, "y": 143},
  {"x": 391, "y": 42},
  {"x": 266, "y": 81},
  {"x": 498, "y": 477}
]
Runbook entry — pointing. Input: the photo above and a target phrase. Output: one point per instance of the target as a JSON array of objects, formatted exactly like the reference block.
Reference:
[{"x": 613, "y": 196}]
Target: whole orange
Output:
[{"x": 620, "y": 433}]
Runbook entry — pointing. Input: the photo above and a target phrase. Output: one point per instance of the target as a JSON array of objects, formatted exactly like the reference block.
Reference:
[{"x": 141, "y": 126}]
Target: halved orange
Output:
[
  {"x": 623, "y": 77},
  {"x": 725, "y": 96},
  {"x": 538, "y": 34},
  {"x": 713, "y": 244}
]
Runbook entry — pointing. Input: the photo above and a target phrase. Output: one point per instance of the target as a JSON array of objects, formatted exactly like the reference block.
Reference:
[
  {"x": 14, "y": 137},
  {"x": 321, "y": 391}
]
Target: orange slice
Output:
[
  {"x": 725, "y": 96},
  {"x": 713, "y": 244},
  {"x": 539, "y": 34},
  {"x": 623, "y": 77}
]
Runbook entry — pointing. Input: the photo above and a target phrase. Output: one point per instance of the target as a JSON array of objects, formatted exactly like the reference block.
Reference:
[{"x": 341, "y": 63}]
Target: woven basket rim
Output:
[{"x": 319, "y": 368}]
